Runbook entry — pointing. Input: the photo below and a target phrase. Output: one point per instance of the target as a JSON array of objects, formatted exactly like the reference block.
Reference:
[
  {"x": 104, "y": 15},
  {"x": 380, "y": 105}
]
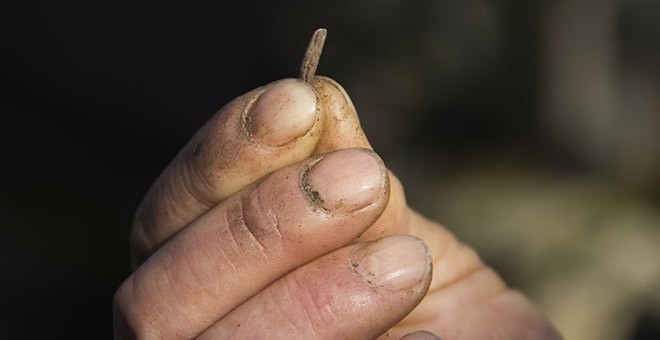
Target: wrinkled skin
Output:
[{"x": 276, "y": 221}]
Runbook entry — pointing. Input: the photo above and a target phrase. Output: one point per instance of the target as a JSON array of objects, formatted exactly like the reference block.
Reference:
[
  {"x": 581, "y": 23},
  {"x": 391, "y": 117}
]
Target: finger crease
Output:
[
  {"x": 193, "y": 191},
  {"x": 250, "y": 226},
  {"x": 273, "y": 220}
]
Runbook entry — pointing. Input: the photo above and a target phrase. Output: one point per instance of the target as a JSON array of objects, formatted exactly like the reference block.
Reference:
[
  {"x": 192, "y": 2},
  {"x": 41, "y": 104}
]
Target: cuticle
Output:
[
  {"x": 306, "y": 186},
  {"x": 246, "y": 119}
]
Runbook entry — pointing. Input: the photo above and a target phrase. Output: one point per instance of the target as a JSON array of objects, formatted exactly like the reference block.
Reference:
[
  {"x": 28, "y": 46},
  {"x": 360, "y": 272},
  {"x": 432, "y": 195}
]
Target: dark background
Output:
[{"x": 97, "y": 97}]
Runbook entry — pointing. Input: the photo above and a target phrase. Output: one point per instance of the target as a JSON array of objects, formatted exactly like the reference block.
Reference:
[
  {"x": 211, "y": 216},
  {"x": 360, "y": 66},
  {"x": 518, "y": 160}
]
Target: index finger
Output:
[{"x": 256, "y": 133}]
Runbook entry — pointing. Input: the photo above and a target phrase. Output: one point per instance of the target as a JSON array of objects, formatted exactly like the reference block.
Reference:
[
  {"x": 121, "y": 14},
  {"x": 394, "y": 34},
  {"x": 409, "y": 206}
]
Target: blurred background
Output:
[{"x": 530, "y": 128}]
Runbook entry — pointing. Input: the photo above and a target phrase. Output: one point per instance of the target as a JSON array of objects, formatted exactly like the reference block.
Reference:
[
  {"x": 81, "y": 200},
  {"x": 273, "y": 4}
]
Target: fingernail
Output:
[
  {"x": 394, "y": 263},
  {"x": 420, "y": 335},
  {"x": 282, "y": 113},
  {"x": 345, "y": 180}
]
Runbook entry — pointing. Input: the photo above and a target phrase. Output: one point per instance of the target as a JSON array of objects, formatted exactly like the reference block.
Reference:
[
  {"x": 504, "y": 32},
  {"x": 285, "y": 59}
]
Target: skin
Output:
[{"x": 277, "y": 220}]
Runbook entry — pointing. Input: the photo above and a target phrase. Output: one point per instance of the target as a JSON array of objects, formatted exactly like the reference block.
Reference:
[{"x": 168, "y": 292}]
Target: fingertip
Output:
[
  {"x": 331, "y": 87},
  {"x": 342, "y": 127},
  {"x": 395, "y": 263}
]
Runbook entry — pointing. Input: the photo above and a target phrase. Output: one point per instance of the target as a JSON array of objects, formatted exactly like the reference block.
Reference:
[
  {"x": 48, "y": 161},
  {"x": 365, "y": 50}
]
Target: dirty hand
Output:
[{"x": 276, "y": 220}]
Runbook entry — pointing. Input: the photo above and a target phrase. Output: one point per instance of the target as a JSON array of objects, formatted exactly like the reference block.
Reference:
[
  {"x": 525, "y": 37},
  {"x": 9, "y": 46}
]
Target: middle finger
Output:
[{"x": 257, "y": 235}]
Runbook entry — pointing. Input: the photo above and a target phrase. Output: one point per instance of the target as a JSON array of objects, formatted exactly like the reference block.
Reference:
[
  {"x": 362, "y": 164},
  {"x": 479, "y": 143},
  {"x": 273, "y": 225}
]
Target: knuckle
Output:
[
  {"x": 307, "y": 308},
  {"x": 253, "y": 220}
]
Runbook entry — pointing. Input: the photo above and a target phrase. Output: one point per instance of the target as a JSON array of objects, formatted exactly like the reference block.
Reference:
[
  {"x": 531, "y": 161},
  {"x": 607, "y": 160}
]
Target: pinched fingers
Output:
[
  {"x": 255, "y": 134},
  {"x": 257, "y": 235}
]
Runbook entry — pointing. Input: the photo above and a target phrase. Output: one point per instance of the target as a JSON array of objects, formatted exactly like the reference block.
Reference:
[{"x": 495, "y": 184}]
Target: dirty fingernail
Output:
[
  {"x": 395, "y": 263},
  {"x": 282, "y": 113},
  {"x": 346, "y": 180}
]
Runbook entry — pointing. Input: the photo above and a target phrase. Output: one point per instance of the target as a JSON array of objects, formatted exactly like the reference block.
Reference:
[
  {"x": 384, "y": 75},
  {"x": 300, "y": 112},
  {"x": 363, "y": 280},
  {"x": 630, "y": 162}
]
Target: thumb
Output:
[{"x": 341, "y": 128}]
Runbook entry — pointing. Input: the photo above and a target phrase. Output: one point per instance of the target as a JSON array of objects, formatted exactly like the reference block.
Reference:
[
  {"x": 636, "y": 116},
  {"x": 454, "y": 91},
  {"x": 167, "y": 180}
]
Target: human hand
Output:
[{"x": 242, "y": 267}]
